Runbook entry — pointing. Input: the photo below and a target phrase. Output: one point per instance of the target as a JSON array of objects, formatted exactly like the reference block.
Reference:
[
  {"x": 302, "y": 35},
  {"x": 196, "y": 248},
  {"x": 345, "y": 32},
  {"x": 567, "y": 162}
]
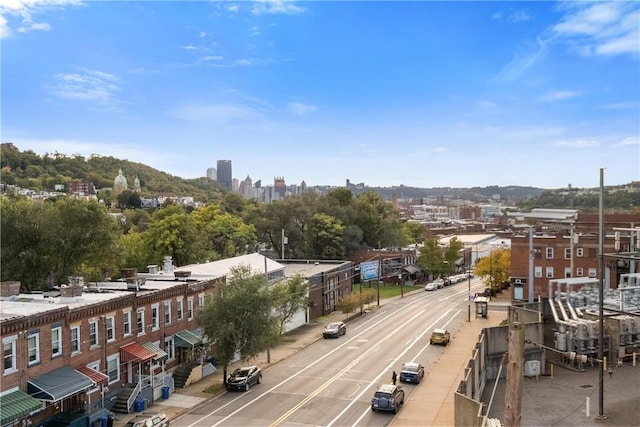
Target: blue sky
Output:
[{"x": 420, "y": 93}]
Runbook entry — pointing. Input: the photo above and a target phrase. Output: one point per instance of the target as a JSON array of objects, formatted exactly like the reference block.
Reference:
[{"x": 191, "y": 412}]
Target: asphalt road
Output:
[{"x": 331, "y": 382}]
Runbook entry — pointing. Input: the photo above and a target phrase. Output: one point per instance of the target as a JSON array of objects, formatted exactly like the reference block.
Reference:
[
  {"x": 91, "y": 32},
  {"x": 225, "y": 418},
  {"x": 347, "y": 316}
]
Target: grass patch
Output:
[
  {"x": 214, "y": 388},
  {"x": 388, "y": 290}
]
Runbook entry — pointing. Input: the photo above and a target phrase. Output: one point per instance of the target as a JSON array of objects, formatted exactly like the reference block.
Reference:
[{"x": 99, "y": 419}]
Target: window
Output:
[
  {"x": 200, "y": 301},
  {"x": 538, "y": 271},
  {"x": 140, "y": 321},
  {"x": 33, "y": 348},
  {"x": 167, "y": 312},
  {"x": 549, "y": 272},
  {"x": 169, "y": 347},
  {"x": 109, "y": 327},
  {"x": 579, "y": 272},
  {"x": 567, "y": 272},
  {"x": 96, "y": 367},
  {"x": 179, "y": 309},
  {"x": 190, "y": 309},
  {"x": 126, "y": 322},
  {"x": 113, "y": 368},
  {"x": 579, "y": 252},
  {"x": 549, "y": 253},
  {"x": 56, "y": 341},
  {"x": 9, "y": 354},
  {"x": 75, "y": 339},
  {"x": 155, "y": 321},
  {"x": 567, "y": 253},
  {"x": 538, "y": 253},
  {"x": 592, "y": 272},
  {"x": 93, "y": 332}
]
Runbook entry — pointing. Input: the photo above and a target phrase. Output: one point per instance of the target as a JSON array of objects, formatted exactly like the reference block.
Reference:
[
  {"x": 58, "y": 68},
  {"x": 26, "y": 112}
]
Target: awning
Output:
[
  {"x": 160, "y": 353},
  {"x": 186, "y": 339},
  {"x": 58, "y": 384},
  {"x": 411, "y": 269},
  {"x": 97, "y": 377},
  {"x": 16, "y": 405},
  {"x": 135, "y": 352}
]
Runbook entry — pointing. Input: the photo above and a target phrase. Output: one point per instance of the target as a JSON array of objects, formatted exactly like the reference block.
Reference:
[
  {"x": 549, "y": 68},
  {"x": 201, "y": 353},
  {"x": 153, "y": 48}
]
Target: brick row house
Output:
[{"x": 70, "y": 355}]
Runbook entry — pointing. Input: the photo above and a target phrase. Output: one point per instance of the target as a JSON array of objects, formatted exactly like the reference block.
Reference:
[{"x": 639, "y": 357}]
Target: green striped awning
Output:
[
  {"x": 186, "y": 339},
  {"x": 160, "y": 353},
  {"x": 16, "y": 405}
]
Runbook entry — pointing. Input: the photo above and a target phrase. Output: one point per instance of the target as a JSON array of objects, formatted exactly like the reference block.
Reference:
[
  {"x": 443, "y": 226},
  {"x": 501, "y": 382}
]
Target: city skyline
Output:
[{"x": 422, "y": 94}]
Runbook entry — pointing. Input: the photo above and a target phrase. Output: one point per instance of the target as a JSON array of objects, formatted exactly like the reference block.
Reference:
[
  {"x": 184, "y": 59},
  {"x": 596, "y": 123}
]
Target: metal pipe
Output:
[{"x": 601, "y": 415}]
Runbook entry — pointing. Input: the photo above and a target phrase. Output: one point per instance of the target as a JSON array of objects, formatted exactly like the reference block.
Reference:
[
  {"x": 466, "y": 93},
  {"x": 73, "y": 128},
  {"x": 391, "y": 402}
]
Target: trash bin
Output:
[
  {"x": 110, "y": 421},
  {"x": 138, "y": 405},
  {"x": 165, "y": 392},
  {"x": 103, "y": 420}
]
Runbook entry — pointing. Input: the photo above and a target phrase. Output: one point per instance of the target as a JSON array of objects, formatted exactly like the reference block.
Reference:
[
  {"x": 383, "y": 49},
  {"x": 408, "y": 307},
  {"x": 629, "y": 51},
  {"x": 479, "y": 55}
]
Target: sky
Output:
[{"x": 417, "y": 93}]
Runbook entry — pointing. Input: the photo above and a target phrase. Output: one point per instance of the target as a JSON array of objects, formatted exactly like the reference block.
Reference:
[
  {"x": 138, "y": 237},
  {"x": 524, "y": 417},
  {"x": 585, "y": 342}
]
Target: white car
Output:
[{"x": 431, "y": 286}]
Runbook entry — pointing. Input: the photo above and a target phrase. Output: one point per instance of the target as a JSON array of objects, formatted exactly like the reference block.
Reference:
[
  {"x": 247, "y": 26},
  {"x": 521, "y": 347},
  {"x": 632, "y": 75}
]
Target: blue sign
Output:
[{"x": 369, "y": 270}]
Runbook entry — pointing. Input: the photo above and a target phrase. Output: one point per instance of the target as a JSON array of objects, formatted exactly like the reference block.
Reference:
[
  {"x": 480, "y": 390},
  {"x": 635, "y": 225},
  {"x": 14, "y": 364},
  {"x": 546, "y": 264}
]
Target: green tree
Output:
[
  {"x": 494, "y": 268},
  {"x": 287, "y": 299},
  {"x": 325, "y": 236},
  {"x": 431, "y": 258},
  {"x": 136, "y": 252},
  {"x": 226, "y": 234},
  {"x": 239, "y": 320}
]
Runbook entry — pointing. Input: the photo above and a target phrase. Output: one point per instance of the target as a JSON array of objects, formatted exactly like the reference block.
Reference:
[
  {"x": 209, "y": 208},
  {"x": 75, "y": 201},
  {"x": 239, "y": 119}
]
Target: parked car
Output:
[
  {"x": 243, "y": 378},
  {"x": 431, "y": 286},
  {"x": 388, "y": 397},
  {"x": 148, "y": 419},
  {"x": 440, "y": 336},
  {"x": 412, "y": 372},
  {"x": 334, "y": 330}
]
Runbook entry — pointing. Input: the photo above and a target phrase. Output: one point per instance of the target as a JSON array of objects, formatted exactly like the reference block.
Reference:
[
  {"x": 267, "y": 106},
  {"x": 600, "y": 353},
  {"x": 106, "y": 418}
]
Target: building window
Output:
[
  {"x": 126, "y": 322},
  {"x": 93, "y": 332},
  {"x": 579, "y": 272},
  {"x": 549, "y": 272},
  {"x": 56, "y": 341},
  {"x": 9, "y": 355},
  {"x": 592, "y": 272},
  {"x": 75, "y": 339},
  {"x": 167, "y": 312},
  {"x": 113, "y": 368},
  {"x": 179, "y": 309},
  {"x": 538, "y": 271},
  {"x": 200, "y": 301},
  {"x": 538, "y": 253},
  {"x": 567, "y": 253},
  {"x": 567, "y": 272},
  {"x": 579, "y": 252},
  {"x": 190, "y": 309},
  {"x": 33, "y": 348},
  {"x": 110, "y": 328},
  {"x": 140, "y": 321},
  {"x": 96, "y": 367},
  {"x": 169, "y": 347},
  {"x": 155, "y": 321},
  {"x": 549, "y": 252}
]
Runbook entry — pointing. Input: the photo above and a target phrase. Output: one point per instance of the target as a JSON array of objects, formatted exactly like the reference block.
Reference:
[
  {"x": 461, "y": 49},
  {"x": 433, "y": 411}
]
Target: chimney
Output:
[
  {"x": 128, "y": 272},
  {"x": 167, "y": 264},
  {"x": 74, "y": 288},
  {"x": 9, "y": 288},
  {"x": 152, "y": 268}
]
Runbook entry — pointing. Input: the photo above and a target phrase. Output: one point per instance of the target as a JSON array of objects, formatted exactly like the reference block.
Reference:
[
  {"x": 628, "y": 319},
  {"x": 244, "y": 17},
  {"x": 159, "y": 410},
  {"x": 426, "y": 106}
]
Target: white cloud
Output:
[
  {"x": 20, "y": 14},
  {"x": 496, "y": 15},
  {"x": 601, "y": 28},
  {"x": 483, "y": 103},
  {"x": 300, "y": 109},
  {"x": 632, "y": 140},
  {"x": 216, "y": 113},
  {"x": 578, "y": 143},
  {"x": 276, "y": 6},
  {"x": 558, "y": 95},
  {"x": 188, "y": 47},
  {"x": 620, "y": 105},
  {"x": 519, "y": 16},
  {"x": 522, "y": 61},
  {"x": 440, "y": 150},
  {"x": 90, "y": 85}
]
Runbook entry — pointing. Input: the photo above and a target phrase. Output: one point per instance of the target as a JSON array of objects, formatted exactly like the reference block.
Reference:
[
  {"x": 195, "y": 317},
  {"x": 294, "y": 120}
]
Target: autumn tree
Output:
[
  {"x": 288, "y": 298},
  {"x": 495, "y": 268},
  {"x": 239, "y": 320}
]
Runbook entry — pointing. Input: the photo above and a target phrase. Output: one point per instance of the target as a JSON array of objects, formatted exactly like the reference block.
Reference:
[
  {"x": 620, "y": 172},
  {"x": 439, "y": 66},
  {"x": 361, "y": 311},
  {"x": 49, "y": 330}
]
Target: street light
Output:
[{"x": 469, "y": 292}]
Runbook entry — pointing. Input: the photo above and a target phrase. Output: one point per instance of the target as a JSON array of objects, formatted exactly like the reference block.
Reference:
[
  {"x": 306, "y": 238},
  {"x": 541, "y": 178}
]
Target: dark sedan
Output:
[
  {"x": 334, "y": 330},
  {"x": 411, "y": 373},
  {"x": 243, "y": 378}
]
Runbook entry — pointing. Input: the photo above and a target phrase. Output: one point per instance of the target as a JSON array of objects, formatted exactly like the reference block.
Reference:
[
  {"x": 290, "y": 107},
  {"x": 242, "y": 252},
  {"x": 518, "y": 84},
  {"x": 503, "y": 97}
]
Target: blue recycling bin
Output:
[
  {"x": 103, "y": 420},
  {"x": 165, "y": 392},
  {"x": 138, "y": 405}
]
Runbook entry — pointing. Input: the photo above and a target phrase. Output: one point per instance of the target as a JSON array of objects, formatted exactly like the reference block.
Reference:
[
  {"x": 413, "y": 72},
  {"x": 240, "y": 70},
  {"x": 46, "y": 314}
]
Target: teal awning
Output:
[
  {"x": 186, "y": 339},
  {"x": 58, "y": 384},
  {"x": 16, "y": 405},
  {"x": 160, "y": 353}
]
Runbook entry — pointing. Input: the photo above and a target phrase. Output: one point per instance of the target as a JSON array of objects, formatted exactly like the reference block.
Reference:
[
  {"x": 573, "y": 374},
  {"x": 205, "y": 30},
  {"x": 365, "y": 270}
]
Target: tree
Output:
[
  {"x": 495, "y": 268},
  {"x": 225, "y": 233},
  {"x": 288, "y": 299},
  {"x": 325, "y": 237},
  {"x": 239, "y": 320}
]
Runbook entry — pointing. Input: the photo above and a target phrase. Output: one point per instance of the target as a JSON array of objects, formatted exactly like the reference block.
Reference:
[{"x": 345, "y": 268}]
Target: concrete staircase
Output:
[
  {"x": 121, "y": 403},
  {"x": 182, "y": 373}
]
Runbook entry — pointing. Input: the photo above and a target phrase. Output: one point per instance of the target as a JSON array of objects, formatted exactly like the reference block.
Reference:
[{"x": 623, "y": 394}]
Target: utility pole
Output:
[
  {"x": 513, "y": 393},
  {"x": 379, "y": 272}
]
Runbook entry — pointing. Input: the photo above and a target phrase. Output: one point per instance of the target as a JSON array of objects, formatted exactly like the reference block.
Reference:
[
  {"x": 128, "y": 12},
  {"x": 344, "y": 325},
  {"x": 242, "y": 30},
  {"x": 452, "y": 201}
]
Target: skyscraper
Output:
[{"x": 225, "y": 177}]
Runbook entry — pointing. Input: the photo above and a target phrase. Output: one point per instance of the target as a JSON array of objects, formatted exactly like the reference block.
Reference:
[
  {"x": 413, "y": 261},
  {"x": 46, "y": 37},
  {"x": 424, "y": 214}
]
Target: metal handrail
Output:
[{"x": 134, "y": 395}]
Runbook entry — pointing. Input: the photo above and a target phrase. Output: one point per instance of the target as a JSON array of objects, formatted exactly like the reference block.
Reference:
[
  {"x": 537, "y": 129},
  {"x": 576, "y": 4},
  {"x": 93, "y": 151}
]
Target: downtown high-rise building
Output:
[{"x": 225, "y": 177}]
